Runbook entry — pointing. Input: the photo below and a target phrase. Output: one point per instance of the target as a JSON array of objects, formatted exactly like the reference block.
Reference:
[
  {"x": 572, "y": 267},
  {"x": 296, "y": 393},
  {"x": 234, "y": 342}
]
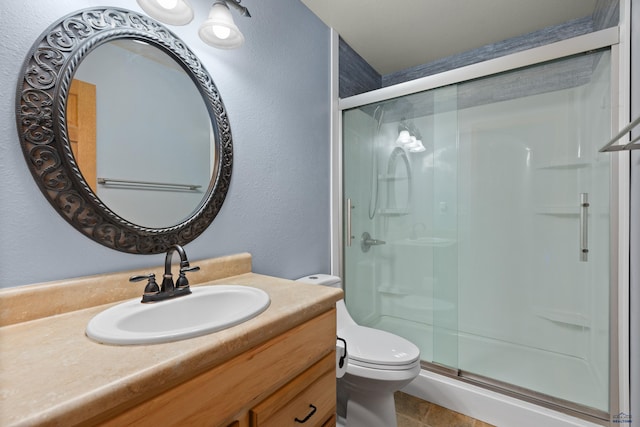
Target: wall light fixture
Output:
[
  {"x": 219, "y": 30},
  {"x": 409, "y": 137}
]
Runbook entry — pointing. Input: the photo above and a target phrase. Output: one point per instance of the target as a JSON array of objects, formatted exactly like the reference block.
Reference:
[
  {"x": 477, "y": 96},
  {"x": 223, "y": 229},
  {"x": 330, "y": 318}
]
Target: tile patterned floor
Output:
[{"x": 414, "y": 412}]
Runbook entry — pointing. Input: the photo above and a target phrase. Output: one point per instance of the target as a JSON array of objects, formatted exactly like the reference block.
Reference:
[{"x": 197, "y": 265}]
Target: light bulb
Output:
[
  {"x": 221, "y": 32},
  {"x": 403, "y": 138}
]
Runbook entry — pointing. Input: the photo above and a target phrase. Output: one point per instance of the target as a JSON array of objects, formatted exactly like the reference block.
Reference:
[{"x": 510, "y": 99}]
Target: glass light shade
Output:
[
  {"x": 413, "y": 143},
  {"x": 419, "y": 148},
  {"x": 403, "y": 138},
  {"x": 219, "y": 30},
  {"x": 172, "y": 12}
]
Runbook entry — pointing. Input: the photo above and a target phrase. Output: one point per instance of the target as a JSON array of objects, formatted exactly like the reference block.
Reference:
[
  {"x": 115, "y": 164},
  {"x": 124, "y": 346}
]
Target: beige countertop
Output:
[{"x": 52, "y": 374}]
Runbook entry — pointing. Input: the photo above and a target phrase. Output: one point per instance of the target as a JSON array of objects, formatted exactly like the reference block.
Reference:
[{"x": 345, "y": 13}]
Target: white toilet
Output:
[{"x": 378, "y": 364}]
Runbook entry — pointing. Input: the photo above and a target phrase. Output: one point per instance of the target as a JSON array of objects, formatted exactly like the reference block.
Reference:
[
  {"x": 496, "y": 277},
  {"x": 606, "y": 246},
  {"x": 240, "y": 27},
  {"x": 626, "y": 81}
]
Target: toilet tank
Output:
[
  {"x": 322, "y": 279},
  {"x": 343, "y": 317}
]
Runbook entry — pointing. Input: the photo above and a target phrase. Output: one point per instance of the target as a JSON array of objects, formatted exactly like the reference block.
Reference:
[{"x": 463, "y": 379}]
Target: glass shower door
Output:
[
  {"x": 400, "y": 261},
  {"x": 534, "y": 212},
  {"x": 489, "y": 247}
]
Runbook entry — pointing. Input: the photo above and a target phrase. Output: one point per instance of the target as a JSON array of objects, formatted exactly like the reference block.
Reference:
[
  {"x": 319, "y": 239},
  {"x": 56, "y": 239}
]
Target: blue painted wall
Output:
[{"x": 276, "y": 90}]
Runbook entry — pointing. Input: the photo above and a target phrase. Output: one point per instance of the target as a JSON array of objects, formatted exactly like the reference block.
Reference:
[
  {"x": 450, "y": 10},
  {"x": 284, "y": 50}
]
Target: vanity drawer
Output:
[{"x": 308, "y": 400}]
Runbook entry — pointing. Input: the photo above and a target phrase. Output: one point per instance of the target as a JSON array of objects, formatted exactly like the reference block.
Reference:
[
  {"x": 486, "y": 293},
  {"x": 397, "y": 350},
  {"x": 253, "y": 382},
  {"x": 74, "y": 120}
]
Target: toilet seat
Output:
[{"x": 376, "y": 349}]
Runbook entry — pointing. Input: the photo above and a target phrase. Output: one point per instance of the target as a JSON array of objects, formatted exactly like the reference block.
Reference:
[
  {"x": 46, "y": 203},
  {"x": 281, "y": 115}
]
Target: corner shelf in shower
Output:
[
  {"x": 563, "y": 317},
  {"x": 566, "y": 211},
  {"x": 565, "y": 164},
  {"x": 391, "y": 290},
  {"x": 392, "y": 178},
  {"x": 429, "y": 241},
  {"x": 393, "y": 212},
  {"x": 559, "y": 210}
]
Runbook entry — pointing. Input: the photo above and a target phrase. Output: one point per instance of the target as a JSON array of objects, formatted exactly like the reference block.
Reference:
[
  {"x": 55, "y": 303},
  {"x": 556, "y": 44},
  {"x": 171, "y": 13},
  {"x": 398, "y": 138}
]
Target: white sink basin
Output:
[{"x": 208, "y": 309}]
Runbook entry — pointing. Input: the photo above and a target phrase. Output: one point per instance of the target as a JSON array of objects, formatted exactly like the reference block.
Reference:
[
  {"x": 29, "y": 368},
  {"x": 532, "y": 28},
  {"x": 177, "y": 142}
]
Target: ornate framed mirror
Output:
[{"x": 137, "y": 131}]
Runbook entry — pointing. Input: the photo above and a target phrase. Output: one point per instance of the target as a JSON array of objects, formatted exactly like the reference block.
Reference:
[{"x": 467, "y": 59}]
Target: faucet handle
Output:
[
  {"x": 182, "y": 279},
  {"x": 188, "y": 269},
  {"x": 152, "y": 287}
]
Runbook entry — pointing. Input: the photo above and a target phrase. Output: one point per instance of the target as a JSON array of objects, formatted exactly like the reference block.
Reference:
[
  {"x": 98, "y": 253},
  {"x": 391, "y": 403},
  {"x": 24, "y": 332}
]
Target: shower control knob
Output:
[{"x": 367, "y": 242}]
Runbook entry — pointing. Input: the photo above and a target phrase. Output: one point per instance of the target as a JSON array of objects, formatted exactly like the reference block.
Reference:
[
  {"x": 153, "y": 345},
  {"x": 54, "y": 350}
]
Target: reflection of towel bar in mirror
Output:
[
  {"x": 147, "y": 184},
  {"x": 633, "y": 145}
]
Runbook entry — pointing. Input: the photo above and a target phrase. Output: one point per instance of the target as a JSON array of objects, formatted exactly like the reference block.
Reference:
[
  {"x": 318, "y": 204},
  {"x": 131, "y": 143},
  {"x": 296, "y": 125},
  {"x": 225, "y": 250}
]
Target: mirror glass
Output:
[
  {"x": 148, "y": 151},
  {"x": 124, "y": 130}
]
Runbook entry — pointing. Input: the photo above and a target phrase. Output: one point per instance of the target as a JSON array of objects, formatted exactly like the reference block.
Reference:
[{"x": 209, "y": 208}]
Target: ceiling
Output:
[{"x": 393, "y": 35}]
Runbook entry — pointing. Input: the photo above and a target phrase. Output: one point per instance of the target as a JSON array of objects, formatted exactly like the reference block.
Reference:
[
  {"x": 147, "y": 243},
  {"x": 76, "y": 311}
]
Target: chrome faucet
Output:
[{"x": 168, "y": 289}]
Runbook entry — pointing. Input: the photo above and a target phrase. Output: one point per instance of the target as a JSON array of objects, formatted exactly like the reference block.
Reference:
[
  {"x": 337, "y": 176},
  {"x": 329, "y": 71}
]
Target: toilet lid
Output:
[{"x": 373, "y": 346}]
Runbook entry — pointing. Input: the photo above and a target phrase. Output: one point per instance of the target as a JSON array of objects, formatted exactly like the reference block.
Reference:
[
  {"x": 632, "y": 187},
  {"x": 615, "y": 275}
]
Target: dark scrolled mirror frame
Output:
[{"x": 41, "y": 118}]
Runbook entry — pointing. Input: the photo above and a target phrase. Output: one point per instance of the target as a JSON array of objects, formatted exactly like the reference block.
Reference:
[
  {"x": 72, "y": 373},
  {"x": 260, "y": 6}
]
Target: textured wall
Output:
[
  {"x": 355, "y": 75},
  {"x": 496, "y": 50},
  {"x": 276, "y": 91}
]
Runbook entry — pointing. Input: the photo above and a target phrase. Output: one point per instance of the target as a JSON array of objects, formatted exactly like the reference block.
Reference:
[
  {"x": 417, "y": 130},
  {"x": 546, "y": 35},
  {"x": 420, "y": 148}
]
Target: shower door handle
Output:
[
  {"x": 349, "y": 236},
  {"x": 584, "y": 227}
]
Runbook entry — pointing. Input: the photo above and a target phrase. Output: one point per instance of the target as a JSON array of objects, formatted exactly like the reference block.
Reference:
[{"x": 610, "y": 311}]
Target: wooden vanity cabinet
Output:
[
  {"x": 308, "y": 400},
  {"x": 272, "y": 384}
]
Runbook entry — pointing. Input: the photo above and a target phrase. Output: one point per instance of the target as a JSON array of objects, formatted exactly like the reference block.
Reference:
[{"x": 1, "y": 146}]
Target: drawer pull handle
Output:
[{"x": 313, "y": 411}]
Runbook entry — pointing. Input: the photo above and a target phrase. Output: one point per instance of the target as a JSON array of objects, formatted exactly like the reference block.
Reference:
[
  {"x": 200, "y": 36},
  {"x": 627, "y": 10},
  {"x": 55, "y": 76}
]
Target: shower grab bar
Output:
[
  {"x": 349, "y": 236},
  {"x": 633, "y": 145},
  {"x": 148, "y": 184},
  {"x": 584, "y": 227}
]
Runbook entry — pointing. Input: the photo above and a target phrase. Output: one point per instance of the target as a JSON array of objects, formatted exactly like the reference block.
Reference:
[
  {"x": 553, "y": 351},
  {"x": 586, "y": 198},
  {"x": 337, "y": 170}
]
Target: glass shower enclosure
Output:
[{"x": 477, "y": 225}]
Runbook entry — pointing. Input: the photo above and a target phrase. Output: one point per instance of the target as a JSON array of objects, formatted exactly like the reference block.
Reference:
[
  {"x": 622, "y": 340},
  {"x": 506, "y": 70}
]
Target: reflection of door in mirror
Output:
[{"x": 81, "y": 125}]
